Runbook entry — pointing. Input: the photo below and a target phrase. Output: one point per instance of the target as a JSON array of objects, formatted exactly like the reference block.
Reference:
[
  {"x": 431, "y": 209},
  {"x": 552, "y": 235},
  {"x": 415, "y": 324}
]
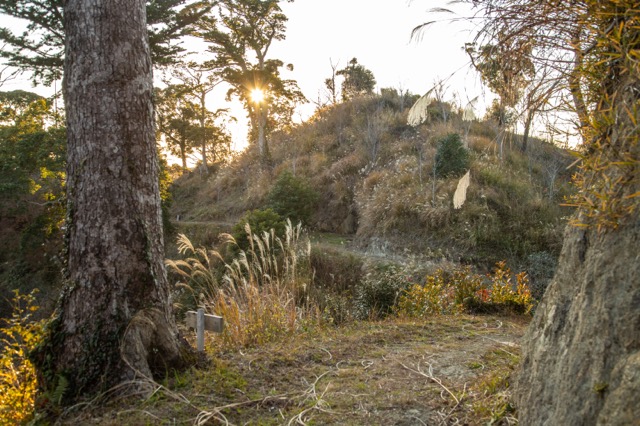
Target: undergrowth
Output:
[
  {"x": 262, "y": 293},
  {"x": 19, "y": 335},
  {"x": 268, "y": 292},
  {"x": 461, "y": 290}
]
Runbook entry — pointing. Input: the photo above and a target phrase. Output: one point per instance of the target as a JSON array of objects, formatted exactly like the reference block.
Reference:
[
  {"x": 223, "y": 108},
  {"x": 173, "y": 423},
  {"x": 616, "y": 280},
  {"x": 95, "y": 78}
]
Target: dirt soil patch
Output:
[{"x": 443, "y": 370}]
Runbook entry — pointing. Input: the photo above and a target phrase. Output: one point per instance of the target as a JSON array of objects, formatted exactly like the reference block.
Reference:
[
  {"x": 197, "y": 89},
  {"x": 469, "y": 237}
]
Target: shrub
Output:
[
  {"x": 376, "y": 295},
  {"x": 421, "y": 300},
  {"x": 442, "y": 293},
  {"x": 452, "y": 158},
  {"x": 461, "y": 290},
  {"x": 259, "y": 221},
  {"x": 19, "y": 336},
  {"x": 336, "y": 275},
  {"x": 334, "y": 308},
  {"x": 335, "y": 270},
  {"x": 502, "y": 295},
  {"x": 293, "y": 198}
]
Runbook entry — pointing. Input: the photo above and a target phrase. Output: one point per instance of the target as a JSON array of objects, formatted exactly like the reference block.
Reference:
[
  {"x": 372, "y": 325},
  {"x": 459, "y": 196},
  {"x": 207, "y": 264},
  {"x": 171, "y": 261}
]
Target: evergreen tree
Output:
[{"x": 357, "y": 81}]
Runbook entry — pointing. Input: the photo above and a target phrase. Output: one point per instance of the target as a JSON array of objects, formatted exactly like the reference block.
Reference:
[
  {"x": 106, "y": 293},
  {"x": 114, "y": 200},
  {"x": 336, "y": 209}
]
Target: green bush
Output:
[
  {"x": 452, "y": 158},
  {"x": 293, "y": 198},
  {"x": 377, "y": 293},
  {"x": 260, "y": 221}
]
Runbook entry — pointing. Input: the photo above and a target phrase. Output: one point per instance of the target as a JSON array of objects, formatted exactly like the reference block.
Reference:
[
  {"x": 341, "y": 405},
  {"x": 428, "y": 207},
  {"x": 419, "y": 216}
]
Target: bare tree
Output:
[
  {"x": 375, "y": 126},
  {"x": 537, "y": 94},
  {"x": 331, "y": 85}
]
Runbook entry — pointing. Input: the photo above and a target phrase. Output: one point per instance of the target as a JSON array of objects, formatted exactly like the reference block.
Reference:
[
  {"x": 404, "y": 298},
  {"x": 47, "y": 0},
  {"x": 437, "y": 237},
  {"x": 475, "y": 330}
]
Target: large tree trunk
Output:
[
  {"x": 114, "y": 322},
  {"x": 581, "y": 362},
  {"x": 581, "y": 356}
]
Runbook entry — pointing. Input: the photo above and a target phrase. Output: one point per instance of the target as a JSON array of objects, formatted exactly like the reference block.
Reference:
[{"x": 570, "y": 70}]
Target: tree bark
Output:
[
  {"x": 575, "y": 88},
  {"x": 203, "y": 142},
  {"x": 114, "y": 321},
  {"x": 263, "y": 146},
  {"x": 581, "y": 353},
  {"x": 527, "y": 130}
]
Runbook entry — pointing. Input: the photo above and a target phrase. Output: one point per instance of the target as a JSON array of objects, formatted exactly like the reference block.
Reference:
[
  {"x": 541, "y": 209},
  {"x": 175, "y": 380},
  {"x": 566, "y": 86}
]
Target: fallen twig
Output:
[{"x": 434, "y": 379}]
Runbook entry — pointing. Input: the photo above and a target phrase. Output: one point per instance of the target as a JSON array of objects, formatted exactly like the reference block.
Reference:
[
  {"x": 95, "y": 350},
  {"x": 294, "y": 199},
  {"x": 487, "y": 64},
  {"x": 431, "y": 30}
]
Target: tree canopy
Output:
[
  {"x": 31, "y": 144},
  {"x": 185, "y": 121},
  {"x": 358, "y": 80},
  {"x": 40, "y": 49},
  {"x": 239, "y": 35}
]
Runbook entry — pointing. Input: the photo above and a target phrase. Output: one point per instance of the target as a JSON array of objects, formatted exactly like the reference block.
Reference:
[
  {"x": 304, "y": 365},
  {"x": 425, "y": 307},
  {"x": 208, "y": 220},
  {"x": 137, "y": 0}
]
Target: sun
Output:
[{"x": 257, "y": 95}]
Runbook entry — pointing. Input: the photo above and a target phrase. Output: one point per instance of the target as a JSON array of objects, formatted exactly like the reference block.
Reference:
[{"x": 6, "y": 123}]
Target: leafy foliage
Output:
[
  {"x": 40, "y": 49},
  {"x": 183, "y": 118},
  {"x": 259, "y": 222},
  {"x": 32, "y": 190},
  {"x": 461, "y": 290},
  {"x": 358, "y": 80},
  {"x": 177, "y": 121},
  {"x": 19, "y": 335},
  {"x": 452, "y": 158},
  {"x": 292, "y": 198},
  {"x": 239, "y": 34},
  {"x": 505, "y": 67},
  {"x": 608, "y": 177},
  {"x": 378, "y": 291}
]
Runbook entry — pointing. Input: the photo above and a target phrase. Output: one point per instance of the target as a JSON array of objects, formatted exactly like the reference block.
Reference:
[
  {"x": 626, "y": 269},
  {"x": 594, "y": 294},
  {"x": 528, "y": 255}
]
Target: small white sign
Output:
[{"x": 201, "y": 322}]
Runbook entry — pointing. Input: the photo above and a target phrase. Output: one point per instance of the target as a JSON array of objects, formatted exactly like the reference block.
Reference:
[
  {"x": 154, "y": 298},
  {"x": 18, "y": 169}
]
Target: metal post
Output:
[{"x": 200, "y": 329}]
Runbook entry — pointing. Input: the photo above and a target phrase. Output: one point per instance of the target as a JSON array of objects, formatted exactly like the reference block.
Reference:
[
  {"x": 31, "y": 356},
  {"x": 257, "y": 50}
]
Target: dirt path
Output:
[{"x": 444, "y": 370}]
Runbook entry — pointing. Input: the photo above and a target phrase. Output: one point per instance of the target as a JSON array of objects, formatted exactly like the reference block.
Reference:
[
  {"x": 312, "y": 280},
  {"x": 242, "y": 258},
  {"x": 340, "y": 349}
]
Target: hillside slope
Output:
[{"x": 373, "y": 176}]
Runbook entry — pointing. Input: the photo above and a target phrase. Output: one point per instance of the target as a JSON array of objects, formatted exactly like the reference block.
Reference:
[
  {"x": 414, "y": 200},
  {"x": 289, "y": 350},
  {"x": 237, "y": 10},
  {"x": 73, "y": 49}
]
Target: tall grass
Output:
[{"x": 262, "y": 293}]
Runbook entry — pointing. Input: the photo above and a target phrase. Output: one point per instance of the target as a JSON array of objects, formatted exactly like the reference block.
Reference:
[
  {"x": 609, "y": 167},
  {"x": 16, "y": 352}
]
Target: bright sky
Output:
[{"x": 377, "y": 33}]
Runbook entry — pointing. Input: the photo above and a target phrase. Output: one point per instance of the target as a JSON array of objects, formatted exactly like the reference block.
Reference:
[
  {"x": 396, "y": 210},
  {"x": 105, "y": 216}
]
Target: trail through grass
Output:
[{"x": 395, "y": 372}]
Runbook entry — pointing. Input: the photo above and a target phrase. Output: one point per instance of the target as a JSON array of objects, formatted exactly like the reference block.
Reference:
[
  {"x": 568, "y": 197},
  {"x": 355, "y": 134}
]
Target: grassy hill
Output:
[{"x": 373, "y": 176}]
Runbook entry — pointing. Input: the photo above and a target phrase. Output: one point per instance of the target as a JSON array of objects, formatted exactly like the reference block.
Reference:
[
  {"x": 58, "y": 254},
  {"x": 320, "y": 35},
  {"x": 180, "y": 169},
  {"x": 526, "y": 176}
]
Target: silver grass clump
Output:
[
  {"x": 460, "y": 196},
  {"x": 468, "y": 113},
  {"x": 419, "y": 113}
]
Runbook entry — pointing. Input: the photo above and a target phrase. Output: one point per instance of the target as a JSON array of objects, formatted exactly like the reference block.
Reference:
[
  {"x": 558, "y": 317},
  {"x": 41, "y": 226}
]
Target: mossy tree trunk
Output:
[{"x": 114, "y": 321}]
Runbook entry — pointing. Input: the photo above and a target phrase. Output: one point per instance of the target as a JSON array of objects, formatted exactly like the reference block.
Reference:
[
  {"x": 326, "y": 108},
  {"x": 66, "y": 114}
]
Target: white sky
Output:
[{"x": 377, "y": 33}]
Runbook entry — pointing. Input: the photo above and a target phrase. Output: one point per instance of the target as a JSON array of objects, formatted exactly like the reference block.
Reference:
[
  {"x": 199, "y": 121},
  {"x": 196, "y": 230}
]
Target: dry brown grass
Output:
[
  {"x": 262, "y": 294},
  {"x": 438, "y": 371}
]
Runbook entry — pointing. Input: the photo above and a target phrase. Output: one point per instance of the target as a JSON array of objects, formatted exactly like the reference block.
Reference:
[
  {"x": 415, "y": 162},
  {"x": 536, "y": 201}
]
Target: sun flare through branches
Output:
[{"x": 257, "y": 95}]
